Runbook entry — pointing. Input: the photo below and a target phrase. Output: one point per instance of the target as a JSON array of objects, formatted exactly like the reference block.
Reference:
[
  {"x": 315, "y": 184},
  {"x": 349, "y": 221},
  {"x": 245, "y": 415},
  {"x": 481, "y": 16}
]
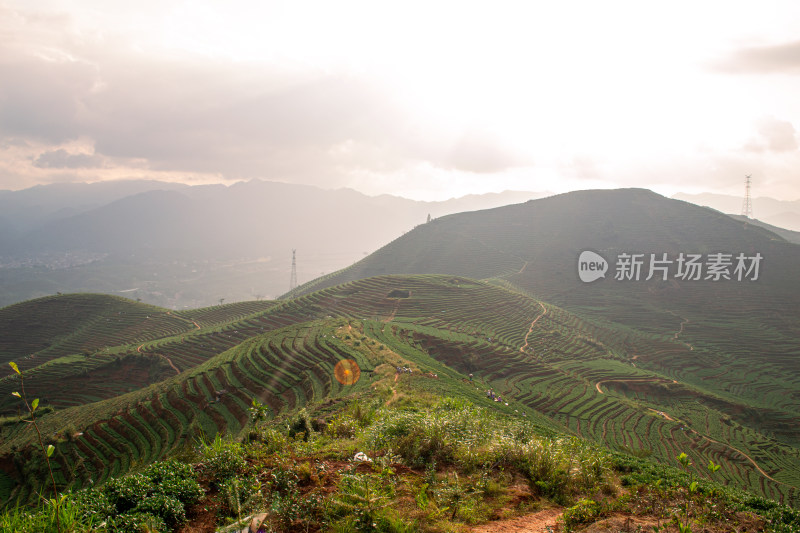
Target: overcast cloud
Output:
[{"x": 419, "y": 102}]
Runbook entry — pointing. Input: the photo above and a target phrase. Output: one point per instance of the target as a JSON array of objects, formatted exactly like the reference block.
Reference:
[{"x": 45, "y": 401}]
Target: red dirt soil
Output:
[{"x": 538, "y": 522}]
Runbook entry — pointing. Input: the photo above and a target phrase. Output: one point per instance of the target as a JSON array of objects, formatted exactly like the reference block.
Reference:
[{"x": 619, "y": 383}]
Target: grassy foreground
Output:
[{"x": 400, "y": 456}]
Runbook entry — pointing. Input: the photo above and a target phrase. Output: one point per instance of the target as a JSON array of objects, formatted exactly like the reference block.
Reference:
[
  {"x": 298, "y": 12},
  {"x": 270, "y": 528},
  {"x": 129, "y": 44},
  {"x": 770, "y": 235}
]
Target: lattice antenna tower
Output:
[
  {"x": 747, "y": 203},
  {"x": 293, "y": 279}
]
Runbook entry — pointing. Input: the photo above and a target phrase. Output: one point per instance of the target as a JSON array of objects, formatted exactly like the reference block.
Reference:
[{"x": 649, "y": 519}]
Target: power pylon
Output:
[
  {"x": 747, "y": 203},
  {"x": 293, "y": 279}
]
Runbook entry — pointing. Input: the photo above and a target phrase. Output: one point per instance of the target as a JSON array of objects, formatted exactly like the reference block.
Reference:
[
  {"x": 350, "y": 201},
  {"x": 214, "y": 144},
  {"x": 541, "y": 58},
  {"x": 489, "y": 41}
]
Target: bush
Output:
[
  {"x": 175, "y": 479},
  {"x": 160, "y": 491},
  {"x": 271, "y": 439},
  {"x": 583, "y": 512},
  {"x": 169, "y": 508},
  {"x": 94, "y": 504},
  {"x": 136, "y": 523},
  {"x": 125, "y": 493},
  {"x": 301, "y": 426},
  {"x": 222, "y": 459}
]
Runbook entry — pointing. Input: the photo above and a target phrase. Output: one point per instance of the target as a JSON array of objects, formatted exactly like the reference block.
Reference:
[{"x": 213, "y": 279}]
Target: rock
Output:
[{"x": 255, "y": 522}]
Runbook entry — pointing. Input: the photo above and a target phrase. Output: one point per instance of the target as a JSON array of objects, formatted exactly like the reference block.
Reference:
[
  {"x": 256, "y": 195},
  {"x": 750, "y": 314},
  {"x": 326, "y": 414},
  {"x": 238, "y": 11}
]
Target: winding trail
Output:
[
  {"x": 684, "y": 321},
  {"x": 671, "y": 419},
  {"x": 623, "y": 380},
  {"x": 740, "y": 452},
  {"x": 530, "y": 329},
  {"x": 175, "y": 368}
]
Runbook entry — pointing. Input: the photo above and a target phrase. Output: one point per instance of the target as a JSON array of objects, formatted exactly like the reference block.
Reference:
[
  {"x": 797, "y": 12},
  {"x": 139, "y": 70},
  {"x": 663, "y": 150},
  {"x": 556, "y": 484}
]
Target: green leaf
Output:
[
  {"x": 13, "y": 365},
  {"x": 50, "y": 450},
  {"x": 15, "y": 393},
  {"x": 34, "y": 404}
]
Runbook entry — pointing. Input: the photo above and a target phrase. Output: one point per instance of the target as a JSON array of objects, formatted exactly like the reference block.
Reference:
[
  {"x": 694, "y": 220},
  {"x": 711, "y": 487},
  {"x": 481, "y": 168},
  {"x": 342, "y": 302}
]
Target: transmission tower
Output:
[
  {"x": 747, "y": 204},
  {"x": 293, "y": 279}
]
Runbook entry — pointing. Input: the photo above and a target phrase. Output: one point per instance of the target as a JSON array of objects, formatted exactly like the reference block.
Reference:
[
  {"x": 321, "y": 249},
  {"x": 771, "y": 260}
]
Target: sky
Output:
[{"x": 427, "y": 100}]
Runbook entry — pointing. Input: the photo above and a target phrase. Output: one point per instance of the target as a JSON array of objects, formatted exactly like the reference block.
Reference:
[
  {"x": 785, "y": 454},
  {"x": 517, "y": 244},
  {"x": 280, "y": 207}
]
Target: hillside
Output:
[
  {"x": 414, "y": 452},
  {"x": 188, "y": 246},
  {"x": 567, "y": 374},
  {"x": 65, "y": 342},
  {"x": 740, "y": 335}
]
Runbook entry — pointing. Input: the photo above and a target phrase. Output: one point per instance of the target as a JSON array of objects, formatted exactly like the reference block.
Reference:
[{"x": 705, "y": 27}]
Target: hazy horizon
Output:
[{"x": 423, "y": 101}]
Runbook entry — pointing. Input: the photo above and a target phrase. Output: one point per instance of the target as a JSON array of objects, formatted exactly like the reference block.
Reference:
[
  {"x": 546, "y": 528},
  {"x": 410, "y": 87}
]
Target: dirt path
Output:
[
  {"x": 175, "y": 368},
  {"x": 668, "y": 417},
  {"x": 740, "y": 452},
  {"x": 662, "y": 413},
  {"x": 541, "y": 522},
  {"x": 393, "y": 313},
  {"x": 521, "y": 270},
  {"x": 530, "y": 329},
  {"x": 684, "y": 321},
  {"x": 621, "y": 380}
]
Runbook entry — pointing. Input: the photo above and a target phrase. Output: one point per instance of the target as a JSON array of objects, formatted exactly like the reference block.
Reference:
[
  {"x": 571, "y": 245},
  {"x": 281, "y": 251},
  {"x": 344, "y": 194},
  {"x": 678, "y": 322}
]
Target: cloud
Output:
[
  {"x": 62, "y": 159},
  {"x": 779, "y": 58},
  {"x": 481, "y": 153},
  {"x": 773, "y": 135}
]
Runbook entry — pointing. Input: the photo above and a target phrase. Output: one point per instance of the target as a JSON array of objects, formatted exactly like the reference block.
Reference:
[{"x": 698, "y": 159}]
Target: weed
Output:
[
  {"x": 222, "y": 458},
  {"x": 48, "y": 451}
]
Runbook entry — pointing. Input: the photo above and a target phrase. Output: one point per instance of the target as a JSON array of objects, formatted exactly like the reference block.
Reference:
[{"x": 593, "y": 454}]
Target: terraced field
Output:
[
  {"x": 77, "y": 347},
  {"x": 595, "y": 378},
  {"x": 597, "y": 397},
  {"x": 284, "y": 369}
]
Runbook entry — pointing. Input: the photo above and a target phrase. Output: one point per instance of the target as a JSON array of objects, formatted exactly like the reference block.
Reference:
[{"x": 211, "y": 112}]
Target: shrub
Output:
[
  {"x": 136, "y": 523},
  {"x": 270, "y": 438},
  {"x": 169, "y": 508},
  {"x": 175, "y": 479},
  {"x": 94, "y": 504},
  {"x": 301, "y": 426},
  {"x": 124, "y": 493},
  {"x": 222, "y": 459},
  {"x": 364, "y": 498},
  {"x": 583, "y": 512}
]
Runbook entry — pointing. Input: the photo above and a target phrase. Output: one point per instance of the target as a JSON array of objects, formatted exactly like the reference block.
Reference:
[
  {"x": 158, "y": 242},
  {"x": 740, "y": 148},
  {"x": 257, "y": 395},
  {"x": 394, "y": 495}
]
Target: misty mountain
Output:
[
  {"x": 535, "y": 246},
  {"x": 781, "y": 213},
  {"x": 178, "y": 245},
  {"x": 27, "y": 209},
  {"x": 789, "y": 235}
]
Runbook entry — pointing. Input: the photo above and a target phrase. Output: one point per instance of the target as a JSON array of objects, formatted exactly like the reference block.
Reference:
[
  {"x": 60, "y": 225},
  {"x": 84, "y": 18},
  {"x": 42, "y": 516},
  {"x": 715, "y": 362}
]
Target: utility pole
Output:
[
  {"x": 747, "y": 203},
  {"x": 293, "y": 279}
]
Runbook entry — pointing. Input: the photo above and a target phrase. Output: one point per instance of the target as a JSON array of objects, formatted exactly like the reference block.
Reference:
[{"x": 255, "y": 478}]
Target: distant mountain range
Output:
[
  {"x": 188, "y": 246},
  {"x": 781, "y": 213}
]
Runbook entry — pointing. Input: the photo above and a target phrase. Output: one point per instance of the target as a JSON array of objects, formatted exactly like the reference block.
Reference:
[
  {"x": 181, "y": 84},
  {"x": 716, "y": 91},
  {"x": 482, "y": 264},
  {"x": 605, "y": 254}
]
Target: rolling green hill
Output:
[
  {"x": 469, "y": 302},
  {"x": 68, "y": 341},
  {"x": 739, "y": 338},
  {"x": 569, "y": 374}
]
